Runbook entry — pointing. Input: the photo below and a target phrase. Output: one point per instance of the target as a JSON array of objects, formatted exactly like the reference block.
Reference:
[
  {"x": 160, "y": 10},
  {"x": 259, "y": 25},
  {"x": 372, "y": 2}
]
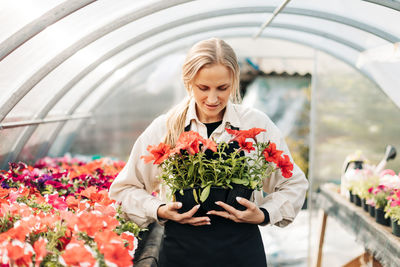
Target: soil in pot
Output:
[
  {"x": 238, "y": 191},
  {"x": 357, "y": 200},
  {"x": 188, "y": 200},
  {"x": 371, "y": 210},
  {"x": 380, "y": 217},
  {"x": 395, "y": 227},
  {"x": 216, "y": 194},
  {"x": 364, "y": 204}
]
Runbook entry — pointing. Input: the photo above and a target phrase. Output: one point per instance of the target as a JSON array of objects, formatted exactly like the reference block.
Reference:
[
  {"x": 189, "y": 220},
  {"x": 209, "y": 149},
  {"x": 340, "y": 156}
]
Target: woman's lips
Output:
[{"x": 211, "y": 106}]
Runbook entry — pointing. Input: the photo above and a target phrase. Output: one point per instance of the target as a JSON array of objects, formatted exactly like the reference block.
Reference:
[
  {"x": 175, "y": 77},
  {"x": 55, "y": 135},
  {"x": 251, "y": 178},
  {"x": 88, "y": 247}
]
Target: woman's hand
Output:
[
  {"x": 170, "y": 212},
  {"x": 251, "y": 215}
]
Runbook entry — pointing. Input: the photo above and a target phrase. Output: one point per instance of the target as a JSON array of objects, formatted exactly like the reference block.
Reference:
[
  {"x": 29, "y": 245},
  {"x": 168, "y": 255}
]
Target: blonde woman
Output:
[{"x": 221, "y": 238}]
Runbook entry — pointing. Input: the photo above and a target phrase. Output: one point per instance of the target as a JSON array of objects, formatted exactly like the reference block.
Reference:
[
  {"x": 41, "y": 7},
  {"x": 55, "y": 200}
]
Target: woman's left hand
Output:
[{"x": 251, "y": 215}]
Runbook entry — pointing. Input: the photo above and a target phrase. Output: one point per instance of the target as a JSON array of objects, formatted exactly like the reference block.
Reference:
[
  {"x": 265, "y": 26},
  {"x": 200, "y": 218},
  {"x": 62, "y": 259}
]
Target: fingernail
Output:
[
  {"x": 197, "y": 206},
  {"x": 179, "y": 204},
  {"x": 208, "y": 213},
  {"x": 208, "y": 219},
  {"x": 217, "y": 202},
  {"x": 238, "y": 198},
  {"x": 209, "y": 223}
]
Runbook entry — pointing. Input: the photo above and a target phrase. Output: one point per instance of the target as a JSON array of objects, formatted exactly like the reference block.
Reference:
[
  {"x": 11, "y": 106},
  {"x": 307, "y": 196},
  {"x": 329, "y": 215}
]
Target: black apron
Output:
[{"x": 223, "y": 243}]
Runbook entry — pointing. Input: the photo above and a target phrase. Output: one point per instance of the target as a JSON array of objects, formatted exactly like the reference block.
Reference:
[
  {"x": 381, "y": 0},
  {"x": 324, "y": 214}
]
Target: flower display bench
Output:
[
  {"x": 382, "y": 248},
  {"x": 149, "y": 246}
]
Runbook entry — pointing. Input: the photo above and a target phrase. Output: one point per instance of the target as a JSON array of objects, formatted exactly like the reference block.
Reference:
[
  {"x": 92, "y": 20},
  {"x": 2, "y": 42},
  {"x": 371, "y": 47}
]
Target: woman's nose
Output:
[{"x": 212, "y": 98}]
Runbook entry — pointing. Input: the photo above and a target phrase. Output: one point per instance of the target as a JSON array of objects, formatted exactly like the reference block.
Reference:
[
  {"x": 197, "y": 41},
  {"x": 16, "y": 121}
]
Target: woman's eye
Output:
[
  {"x": 223, "y": 89},
  {"x": 203, "y": 89}
]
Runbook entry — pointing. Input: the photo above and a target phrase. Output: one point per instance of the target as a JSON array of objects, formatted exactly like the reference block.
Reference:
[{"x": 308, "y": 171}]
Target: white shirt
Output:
[{"x": 137, "y": 180}]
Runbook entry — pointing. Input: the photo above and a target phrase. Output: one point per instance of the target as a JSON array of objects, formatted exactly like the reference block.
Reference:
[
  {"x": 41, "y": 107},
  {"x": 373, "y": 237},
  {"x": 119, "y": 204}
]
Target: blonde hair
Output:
[{"x": 204, "y": 53}]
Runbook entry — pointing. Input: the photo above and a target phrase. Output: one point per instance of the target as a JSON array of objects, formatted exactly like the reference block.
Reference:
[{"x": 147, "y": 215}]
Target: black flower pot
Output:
[
  {"x": 357, "y": 200},
  {"x": 238, "y": 191},
  {"x": 380, "y": 217},
  {"x": 187, "y": 199},
  {"x": 371, "y": 210},
  {"x": 216, "y": 194},
  {"x": 395, "y": 227},
  {"x": 364, "y": 204},
  {"x": 351, "y": 196}
]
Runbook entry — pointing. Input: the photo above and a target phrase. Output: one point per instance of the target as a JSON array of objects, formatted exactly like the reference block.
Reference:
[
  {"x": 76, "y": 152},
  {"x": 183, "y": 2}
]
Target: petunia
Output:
[
  {"x": 189, "y": 141},
  {"x": 271, "y": 154},
  {"x": 77, "y": 254},
  {"x": 157, "y": 153},
  {"x": 286, "y": 166},
  {"x": 210, "y": 144},
  {"x": 40, "y": 250},
  {"x": 247, "y": 146}
]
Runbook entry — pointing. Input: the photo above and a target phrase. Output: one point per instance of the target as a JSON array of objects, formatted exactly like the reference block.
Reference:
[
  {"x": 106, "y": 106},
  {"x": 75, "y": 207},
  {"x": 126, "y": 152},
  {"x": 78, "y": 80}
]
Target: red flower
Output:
[
  {"x": 189, "y": 141},
  {"x": 76, "y": 254},
  {"x": 286, "y": 166},
  {"x": 248, "y": 146},
  {"x": 40, "y": 250},
  {"x": 250, "y": 133},
  {"x": 210, "y": 144},
  {"x": 117, "y": 254},
  {"x": 271, "y": 154},
  {"x": 158, "y": 153},
  {"x": 19, "y": 255}
]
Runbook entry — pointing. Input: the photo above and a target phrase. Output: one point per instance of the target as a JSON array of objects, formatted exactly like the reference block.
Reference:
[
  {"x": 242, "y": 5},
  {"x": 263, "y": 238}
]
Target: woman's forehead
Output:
[{"x": 214, "y": 75}]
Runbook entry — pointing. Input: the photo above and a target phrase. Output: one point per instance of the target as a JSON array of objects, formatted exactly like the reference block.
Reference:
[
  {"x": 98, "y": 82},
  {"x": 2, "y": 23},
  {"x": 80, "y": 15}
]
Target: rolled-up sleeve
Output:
[
  {"x": 137, "y": 180},
  {"x": 284, "y": 196}
]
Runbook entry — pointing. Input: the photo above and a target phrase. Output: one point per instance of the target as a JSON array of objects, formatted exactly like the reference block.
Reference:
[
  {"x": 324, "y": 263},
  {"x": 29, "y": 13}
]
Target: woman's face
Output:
[{"x": 212, "y": 87}]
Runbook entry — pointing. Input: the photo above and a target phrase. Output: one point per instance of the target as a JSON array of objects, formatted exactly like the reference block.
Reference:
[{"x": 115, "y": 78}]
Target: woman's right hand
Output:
[{"x": 170, "y": 212}]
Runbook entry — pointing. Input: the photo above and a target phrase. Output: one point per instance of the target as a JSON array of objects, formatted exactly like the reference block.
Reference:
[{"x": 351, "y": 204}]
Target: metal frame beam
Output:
[
  {"x": 393, "y": 4},
  {"x": 28, "y": 132},
  {"x": 179, "y": 47},
  {"x": 39, "y": 24},
  {"x": 20, "y": 92}
]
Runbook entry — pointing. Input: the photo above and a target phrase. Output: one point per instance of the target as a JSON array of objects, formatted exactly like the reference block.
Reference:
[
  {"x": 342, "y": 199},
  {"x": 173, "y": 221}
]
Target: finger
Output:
[
  {"x": 201, "y": 224},
  {"x": 198, "y": 220},
  {"x": 190, "y": 213},
  {"x": 229, "y": 208},
  {"x": 174, "y": 205},
  {"x": 248, "y": 204},
  {"x": 224, "y": 214}
]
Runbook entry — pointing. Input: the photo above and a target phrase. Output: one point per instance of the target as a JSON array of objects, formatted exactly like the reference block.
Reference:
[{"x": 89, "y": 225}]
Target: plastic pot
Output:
[
  {"x": 380, "y": 217},
  {"x": 351, "y": 196},
  {"x": 371, "y": 210},
  {"x": 357, "y": 200},
  {"x": 238, "y": 191},
  {"x": 216, "y": 194},
  {"x": 187, "y": 199},
  {"x": 364, "y": 204},
  {"x": 395, "y": 227}
]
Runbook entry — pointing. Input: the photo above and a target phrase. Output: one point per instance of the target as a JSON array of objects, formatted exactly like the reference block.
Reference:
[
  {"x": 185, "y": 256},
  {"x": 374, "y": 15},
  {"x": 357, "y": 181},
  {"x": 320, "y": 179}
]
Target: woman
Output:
[{"x": 222, "y": 238}]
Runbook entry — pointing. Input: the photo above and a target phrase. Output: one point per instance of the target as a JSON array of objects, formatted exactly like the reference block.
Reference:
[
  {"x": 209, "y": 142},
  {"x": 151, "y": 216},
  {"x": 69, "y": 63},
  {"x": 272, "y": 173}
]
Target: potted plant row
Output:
[
  {"x": 200, "y": 171},
  {"x": 379, "y": 200}
]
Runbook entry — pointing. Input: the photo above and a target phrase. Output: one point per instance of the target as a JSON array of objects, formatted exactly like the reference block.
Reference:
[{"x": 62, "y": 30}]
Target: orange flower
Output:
[
  {"x": 19, "y": 255},
  {"x": 251, "y": 133},
  {"x": 40, "y": 250},
  {"x": 117, "y": 254},
  {"x": 129, "y": 238},
  {"x": 210, "y": 144},
  {"x": 90, "y": 223},
  {"x": 88, "y": 191},
  {"x": 76, "y": 254},
  {"x": 158, "y": 153},
  {"x": 4, "y": 192},
  {"x": 105, "y": 237},
  {"x": 189, "y": 141}
]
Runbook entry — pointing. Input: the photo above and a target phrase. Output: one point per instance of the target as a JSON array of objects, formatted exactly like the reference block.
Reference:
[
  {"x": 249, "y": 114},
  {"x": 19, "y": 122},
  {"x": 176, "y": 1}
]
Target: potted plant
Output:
[
  {"x": 392, "y": 210},
  {"x": 371, "y": 202},
  {"x": 361, "y": 189},
  {"x": 199, "y": 171},
  {"x": 381, "y": 193}
]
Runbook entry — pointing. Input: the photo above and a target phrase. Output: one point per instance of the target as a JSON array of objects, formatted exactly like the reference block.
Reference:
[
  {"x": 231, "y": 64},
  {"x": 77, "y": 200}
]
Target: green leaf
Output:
[
  {"x": 205, "y": 193},
  {"x": 195, "y": 196},
  {"x": 191, "y": 169},
  {"x": 238, "y": 181}
]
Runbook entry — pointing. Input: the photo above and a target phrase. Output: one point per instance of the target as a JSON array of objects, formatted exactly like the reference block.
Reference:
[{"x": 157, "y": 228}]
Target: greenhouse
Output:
[{"x": 93, "y": 156}]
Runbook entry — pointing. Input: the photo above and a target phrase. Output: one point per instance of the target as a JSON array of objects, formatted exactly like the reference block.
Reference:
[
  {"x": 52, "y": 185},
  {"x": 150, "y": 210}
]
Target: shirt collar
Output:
[{"x": 230, "y": 115}]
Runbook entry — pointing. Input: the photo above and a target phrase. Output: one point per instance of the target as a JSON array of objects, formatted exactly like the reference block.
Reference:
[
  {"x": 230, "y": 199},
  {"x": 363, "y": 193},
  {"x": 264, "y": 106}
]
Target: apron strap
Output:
[{"x": 187, "y": 128}]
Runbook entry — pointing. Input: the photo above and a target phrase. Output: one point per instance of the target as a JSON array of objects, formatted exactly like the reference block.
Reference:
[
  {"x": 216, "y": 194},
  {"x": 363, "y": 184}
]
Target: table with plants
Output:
[{"x": 370, "y": 210}]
